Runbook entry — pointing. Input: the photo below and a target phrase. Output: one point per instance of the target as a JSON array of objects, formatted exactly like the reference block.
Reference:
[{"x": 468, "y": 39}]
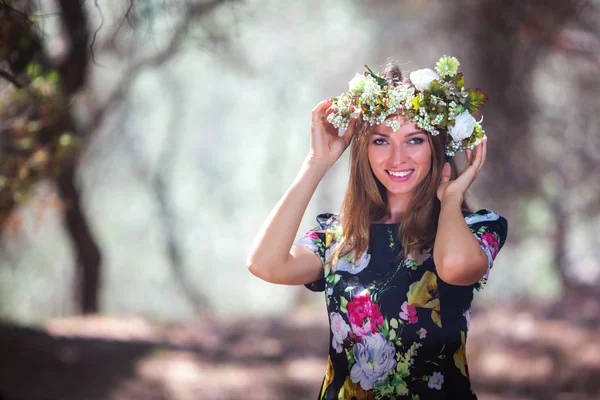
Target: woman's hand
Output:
[
  {"x": 325, "y": 144},
  {"x": 459, "y": 186}
]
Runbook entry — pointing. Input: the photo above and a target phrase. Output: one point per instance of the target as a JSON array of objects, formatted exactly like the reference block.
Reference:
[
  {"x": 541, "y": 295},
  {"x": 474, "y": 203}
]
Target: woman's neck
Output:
[{"x": 395, "y": 209}]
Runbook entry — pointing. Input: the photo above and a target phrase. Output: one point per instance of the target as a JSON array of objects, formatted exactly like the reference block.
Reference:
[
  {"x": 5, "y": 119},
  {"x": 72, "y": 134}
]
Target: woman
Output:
[{"x": 399, "y": 264}]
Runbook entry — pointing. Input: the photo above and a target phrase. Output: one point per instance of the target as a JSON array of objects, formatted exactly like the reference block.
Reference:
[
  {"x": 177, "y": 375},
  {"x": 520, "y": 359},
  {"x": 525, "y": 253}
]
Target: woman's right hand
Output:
[{"x": 325, "y": 144}]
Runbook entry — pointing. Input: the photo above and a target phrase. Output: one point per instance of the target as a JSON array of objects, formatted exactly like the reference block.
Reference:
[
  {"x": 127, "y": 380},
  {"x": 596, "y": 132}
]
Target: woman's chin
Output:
[{"x": 395, "y": 190}]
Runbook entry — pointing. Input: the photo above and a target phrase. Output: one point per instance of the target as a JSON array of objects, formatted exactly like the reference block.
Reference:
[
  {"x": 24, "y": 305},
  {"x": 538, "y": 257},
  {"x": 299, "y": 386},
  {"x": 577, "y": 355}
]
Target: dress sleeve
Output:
[
  {"x": 318, "y": 240},
  {"x": 490, "y": 229}
]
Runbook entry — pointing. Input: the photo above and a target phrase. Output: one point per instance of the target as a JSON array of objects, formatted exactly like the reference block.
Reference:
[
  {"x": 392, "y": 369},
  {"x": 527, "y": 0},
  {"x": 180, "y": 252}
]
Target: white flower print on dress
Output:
[
  {"x": 374, "y": 357},
  {"x": 349, "y": 264},
  {"x": 309, "y": 241},
  {"x": 340, "y": 330}
]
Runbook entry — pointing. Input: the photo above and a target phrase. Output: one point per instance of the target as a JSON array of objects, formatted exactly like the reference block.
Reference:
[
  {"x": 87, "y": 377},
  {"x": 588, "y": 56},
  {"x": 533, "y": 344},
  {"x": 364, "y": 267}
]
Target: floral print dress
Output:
[{"x": 397, "y": 330}]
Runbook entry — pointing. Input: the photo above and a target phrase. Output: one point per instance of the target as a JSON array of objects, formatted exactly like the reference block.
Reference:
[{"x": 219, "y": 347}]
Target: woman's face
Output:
[{"x": 400, "y": 160}]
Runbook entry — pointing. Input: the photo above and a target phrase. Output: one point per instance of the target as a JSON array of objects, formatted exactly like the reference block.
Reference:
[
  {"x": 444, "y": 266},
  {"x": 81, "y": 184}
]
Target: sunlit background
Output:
[{"x": 143, "y": 143}]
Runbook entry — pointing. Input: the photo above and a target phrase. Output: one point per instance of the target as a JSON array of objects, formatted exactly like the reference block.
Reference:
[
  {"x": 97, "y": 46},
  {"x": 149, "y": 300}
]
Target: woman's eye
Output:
[
  {"x": 416, "y": 141},
  {"x": 379, "y": 142}
]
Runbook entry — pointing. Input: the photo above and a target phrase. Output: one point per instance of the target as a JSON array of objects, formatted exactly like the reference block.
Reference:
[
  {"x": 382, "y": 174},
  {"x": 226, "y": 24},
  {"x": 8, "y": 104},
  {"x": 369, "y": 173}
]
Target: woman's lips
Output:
[{"x": 405, "y": 175}]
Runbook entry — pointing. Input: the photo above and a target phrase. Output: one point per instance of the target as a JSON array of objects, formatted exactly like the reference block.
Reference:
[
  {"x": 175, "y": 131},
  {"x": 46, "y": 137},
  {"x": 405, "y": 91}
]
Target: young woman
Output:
[{"x": 400, "y": 262}]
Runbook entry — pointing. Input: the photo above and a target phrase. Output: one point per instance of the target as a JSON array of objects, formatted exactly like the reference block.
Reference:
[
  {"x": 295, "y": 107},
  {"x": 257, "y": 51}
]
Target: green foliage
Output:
[
  {"x": 380, "y": 81},
  {"x": 475, "y": 100},
  {"x": 26, "y": 112},
  {"x": 459, "y": 80}
]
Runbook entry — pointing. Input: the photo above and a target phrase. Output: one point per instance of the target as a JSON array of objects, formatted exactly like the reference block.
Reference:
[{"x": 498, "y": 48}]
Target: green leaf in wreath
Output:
[
  {"x": 380, "y": 81},
  {"x": 459, "y": 80},
  {"x": 475, "y": 100}
]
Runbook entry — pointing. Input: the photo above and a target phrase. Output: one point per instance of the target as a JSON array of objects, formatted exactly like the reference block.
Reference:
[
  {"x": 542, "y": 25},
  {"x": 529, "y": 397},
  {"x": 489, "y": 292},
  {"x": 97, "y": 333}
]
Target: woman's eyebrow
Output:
[{"x": 407, "y": 135}]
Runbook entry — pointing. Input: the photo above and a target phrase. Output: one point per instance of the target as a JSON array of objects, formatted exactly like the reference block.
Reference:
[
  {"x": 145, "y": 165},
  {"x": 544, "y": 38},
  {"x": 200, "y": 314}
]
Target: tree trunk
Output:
[{"x": 87, "y": 254}]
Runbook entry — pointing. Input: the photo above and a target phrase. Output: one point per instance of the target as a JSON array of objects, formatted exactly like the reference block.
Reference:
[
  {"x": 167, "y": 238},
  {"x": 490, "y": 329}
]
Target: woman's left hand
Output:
[{"x": 459, "y": 186}]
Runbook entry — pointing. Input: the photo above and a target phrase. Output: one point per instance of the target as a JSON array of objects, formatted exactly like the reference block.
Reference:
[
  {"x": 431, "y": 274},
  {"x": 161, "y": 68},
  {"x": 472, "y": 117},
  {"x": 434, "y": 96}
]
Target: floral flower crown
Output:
[{"x": 437, "y": 101}]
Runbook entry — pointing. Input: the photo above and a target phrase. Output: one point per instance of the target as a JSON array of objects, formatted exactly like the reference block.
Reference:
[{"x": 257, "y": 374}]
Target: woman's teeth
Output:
[{"x": 403, "y": 173}]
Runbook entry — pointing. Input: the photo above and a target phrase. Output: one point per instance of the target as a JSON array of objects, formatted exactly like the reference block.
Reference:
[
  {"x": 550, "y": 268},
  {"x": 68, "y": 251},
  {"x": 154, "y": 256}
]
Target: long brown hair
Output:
[{"x": 366, "y": 198}]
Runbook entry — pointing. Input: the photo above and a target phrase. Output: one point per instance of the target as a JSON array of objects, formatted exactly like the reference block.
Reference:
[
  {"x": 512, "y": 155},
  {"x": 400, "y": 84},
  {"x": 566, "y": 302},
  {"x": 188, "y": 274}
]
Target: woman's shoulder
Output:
[
  {"x": 485, "y": 221},
  {"x": 328, "y": 221},
  {"x": 481, "y": 215}
]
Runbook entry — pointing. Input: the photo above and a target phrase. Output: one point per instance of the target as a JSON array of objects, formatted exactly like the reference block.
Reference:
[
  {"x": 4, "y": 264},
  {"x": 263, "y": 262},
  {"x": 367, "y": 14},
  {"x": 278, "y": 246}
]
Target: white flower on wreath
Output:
[
  {"x": 464, "y": 126},
  {"x": 357, "y": 84},
  {"x": 422, "y": 78}
]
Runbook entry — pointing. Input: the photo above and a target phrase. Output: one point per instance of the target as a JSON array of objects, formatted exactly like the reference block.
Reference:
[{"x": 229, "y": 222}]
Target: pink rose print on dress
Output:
[
  {"x": 491, "y": 242},
  {"x": 364, "y": 316},
  {"x": 340, "y": 330},
  {"x": 409, "y": 313}
]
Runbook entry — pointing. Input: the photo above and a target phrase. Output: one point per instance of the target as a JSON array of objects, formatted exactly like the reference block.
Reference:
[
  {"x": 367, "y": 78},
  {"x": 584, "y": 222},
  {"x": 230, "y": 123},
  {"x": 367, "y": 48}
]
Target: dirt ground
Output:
[{"x": 525, "y": 351}]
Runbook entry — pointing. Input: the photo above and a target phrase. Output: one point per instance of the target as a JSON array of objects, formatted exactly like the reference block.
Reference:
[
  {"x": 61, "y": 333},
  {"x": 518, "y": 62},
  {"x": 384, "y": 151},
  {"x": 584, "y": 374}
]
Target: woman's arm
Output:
[
  {"x": 458, "y": 257},
  {"x": 457, "y": 254},
  {"x": 272, "y": 257}
]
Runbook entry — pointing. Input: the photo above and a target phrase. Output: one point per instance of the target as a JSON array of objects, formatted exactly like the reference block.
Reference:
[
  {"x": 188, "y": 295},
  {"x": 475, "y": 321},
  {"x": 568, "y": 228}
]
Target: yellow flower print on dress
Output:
[
  {"x": 351, "y": 391},
  {"x": 460, "y": 356},
  {"x": 425, "y": 294},
  {"x": 329, "y": 374}
]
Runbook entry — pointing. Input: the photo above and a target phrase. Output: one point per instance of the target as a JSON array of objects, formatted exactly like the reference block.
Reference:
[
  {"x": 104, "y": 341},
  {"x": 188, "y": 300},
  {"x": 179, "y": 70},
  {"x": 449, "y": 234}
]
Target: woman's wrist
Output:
[
  {"x": 452, "y": 198},
  {"x": 316, "y": 163}
]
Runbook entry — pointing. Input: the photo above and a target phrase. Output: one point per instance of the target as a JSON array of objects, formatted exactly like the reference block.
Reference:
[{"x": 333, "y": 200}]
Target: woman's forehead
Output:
[{"x": 406, "y": 127}]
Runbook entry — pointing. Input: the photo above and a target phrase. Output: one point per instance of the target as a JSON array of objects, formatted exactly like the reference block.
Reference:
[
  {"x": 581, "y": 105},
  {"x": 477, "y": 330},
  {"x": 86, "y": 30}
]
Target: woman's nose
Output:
[{"x": 399, "y": 155}]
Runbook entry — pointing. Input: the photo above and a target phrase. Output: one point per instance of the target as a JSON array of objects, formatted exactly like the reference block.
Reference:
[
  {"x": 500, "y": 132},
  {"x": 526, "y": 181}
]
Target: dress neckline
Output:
[{"x": 384, "y": 224}]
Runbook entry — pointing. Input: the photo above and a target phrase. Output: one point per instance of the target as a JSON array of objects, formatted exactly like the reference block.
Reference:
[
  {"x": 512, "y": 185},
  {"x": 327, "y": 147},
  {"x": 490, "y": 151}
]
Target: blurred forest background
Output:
[{"x": 143, "y": 143}]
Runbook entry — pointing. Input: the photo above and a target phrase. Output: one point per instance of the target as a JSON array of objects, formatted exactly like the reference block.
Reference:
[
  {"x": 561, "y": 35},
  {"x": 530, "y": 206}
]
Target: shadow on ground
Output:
[{"x": 526, "y": 351}]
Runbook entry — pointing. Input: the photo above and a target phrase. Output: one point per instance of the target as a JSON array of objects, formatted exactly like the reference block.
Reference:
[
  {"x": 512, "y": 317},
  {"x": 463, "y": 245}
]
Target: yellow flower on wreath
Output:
[
  {"x": 424, "y": 294},
  {"x": 416, "y": 101},
  {"x": 352, "y": 390}
]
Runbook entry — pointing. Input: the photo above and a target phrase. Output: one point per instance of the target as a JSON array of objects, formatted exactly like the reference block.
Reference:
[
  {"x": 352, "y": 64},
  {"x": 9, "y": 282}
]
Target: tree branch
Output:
[
  {"x": 8, "y": 76},
  {"x": 193, "y": 12}
]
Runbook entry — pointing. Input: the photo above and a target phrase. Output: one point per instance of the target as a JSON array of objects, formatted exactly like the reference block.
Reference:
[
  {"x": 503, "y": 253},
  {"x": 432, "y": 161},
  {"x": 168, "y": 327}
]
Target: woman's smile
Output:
[{"x": 400, "y": 175}]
